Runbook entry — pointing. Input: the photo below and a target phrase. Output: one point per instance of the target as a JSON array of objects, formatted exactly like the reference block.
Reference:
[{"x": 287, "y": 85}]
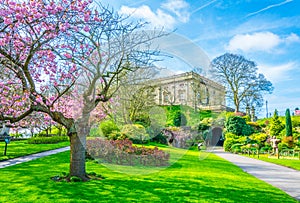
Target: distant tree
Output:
[
  {"x": 288, "y": 123},
  {"x": 276, "y": 124},
  {"x": 239, "y": 75}
]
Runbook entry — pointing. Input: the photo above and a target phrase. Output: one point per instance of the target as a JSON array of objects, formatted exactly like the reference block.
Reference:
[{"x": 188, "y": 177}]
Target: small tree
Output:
[
  {"x": 238, "y": 126},
  {"x": 288, "y": 123},
  {"x": 276, "y": 124}
]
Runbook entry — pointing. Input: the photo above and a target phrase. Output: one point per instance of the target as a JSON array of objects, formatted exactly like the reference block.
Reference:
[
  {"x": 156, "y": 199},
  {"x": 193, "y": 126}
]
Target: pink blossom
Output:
[
  {"x": 67, "y": 55},
  {"x": 86, "y": 28}
]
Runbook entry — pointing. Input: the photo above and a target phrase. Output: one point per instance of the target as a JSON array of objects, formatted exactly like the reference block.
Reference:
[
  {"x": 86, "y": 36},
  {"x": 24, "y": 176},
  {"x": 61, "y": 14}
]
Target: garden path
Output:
[
  {"x": 30, "y": 157},
  {"x": 284, "y": 178}
]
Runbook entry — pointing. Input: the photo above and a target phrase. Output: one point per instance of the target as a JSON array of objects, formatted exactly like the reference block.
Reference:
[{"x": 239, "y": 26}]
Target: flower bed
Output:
[{"x": 122, "y": 152}]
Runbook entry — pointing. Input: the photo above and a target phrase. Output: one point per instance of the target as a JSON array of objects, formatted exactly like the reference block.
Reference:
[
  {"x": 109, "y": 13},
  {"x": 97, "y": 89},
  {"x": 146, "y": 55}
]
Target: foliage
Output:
[
  {"x": 46, "y": 46},
  {"x": 193, "y": 117},
  {"x": 296, "y": 121},
  {"x": 47, "y": 140},
  {"x": 160, "y": 138},
  {"x": 288, "y": 123},
  {"x": 122, "y": 152},
  {"x": 238, "y": 126},
  {"x": 107, "y": 127},
  {"x": 244, "y": 84},
  {"x": 136, "y": 132},
  {"x": 179, "y": 119},
  {"x": 288, "y": 141},
  {"x": 259, "y": 138},
  {"x": 276, "y": 125},
  {"x": 231, "y": 139},
  {"x": 255, "y": 126},
  {"x": 117, "y": 135}
]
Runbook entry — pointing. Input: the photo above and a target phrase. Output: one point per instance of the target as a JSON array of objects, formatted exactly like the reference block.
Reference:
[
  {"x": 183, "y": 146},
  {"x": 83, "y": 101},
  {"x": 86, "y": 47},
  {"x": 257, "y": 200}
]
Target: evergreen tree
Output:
[
  {"x": 276, "y": 124},
  {"x": 238, "y": 126},
  {"x": 288, "y": 123}
]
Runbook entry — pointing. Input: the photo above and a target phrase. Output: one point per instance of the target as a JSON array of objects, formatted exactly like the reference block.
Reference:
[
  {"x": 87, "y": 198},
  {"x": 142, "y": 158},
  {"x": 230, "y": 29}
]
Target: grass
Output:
[
  {"x": 291, "y": 163},
  {"x": 188, "y": 180},
  {"x": 21, "y": 148}
]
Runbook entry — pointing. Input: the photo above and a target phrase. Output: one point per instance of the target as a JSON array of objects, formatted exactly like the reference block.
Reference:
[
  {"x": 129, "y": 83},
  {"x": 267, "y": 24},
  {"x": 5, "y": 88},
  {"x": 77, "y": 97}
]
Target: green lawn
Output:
[
  {"x": 291, "y": 163},
  {"x": 21, "y": 148},
  {"x": 188, "y": 180}
]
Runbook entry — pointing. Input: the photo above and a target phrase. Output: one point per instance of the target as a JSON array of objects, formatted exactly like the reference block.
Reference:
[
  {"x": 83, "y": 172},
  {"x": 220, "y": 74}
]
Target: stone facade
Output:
[{"x": 190, "y": 89}]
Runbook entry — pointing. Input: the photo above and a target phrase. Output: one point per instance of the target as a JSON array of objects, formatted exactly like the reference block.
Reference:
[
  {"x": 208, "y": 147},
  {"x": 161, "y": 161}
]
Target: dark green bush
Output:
[
  {"x": 179, "y": 119},
  {"x": 160, "y": 138},
  {"x": 47, "y": 140},
  {"x": 238, "y": 126}
]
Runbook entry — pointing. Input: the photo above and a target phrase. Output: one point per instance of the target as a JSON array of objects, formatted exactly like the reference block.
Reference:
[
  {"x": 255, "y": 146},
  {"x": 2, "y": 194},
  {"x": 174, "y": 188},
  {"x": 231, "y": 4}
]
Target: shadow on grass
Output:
[{"x": 188, "y": 180}]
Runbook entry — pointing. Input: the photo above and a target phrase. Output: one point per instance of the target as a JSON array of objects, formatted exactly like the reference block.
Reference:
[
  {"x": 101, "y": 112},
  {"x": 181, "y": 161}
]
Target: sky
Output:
[{"x": 264, "y": 31}]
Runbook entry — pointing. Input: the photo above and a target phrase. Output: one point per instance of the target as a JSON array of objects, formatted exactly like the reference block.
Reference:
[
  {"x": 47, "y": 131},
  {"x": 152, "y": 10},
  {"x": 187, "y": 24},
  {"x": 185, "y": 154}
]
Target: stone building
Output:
[{"x": 190, "y": 89}]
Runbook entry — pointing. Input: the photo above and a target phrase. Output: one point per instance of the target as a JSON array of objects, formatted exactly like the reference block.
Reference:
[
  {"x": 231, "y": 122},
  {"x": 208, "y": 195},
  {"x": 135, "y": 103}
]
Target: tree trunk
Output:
[{"x": 77, "y": 147}]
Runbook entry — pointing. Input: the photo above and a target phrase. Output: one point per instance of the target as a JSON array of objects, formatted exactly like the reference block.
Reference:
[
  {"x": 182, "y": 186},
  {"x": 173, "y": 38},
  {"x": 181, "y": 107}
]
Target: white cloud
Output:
[
  {"x": 179, "y": 8},
  {"x": 261, "y": 41},
  {"x": 169, "y": 13},
  {"x": 278, "y": 73},
  {"x": 292, "y": 38},
  {"x": 156, "y": 19}
]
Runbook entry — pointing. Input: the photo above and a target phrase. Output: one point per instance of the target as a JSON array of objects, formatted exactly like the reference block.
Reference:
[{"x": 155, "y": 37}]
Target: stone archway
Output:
[{"x": 217, "y": 136}]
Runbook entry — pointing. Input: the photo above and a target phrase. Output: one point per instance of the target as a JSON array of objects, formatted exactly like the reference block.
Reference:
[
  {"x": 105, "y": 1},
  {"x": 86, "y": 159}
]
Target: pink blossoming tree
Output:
[{"x": 62, "y": 59}]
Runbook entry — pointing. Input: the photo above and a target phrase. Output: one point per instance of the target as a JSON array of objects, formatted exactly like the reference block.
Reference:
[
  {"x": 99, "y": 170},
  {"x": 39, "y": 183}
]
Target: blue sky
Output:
[{"x": 264, "y": 31}]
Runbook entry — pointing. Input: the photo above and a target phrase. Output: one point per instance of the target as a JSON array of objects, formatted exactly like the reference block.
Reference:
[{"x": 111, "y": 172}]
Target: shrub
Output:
[
  {"x": 237, "y": 125},
  {"x": 160, "y": 138},
  {"x": 108, "y": 127},
  {"x": 259, "y": 138},
  {"x": 47, "y": 140},
  {"x": 136, "y": 132},
  {"x": 116, "y": 135},
  {"x": 282, "y": 146},
  {"x": 231, "y": 139},
  {"x": 255, "y": 126},
  {"x": 288, "y": 141},
  {"x": 122, "y": 152},
  {"x": 179, "y": 119}
]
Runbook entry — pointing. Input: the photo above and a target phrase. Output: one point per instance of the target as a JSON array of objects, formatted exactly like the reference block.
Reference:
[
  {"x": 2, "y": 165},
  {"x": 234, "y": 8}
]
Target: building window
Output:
[{"x": 166, "y": 96}]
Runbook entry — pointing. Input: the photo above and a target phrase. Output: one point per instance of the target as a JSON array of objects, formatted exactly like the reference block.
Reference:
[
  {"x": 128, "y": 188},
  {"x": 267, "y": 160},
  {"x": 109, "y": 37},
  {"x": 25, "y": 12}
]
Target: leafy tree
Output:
[
  {"x": 276, "y": 125},
  {"x": 288, "y": 123},
  {"x": 241, "y": 80},
  {"x": 63, "y": 59},
  {"x": 238, "y": 126}
]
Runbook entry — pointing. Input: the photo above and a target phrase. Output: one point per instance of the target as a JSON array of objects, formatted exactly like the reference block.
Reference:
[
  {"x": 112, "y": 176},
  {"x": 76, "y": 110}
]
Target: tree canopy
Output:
[
  {"x": 244, "y": 86},
  {"x": 63, "y": 58}
]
